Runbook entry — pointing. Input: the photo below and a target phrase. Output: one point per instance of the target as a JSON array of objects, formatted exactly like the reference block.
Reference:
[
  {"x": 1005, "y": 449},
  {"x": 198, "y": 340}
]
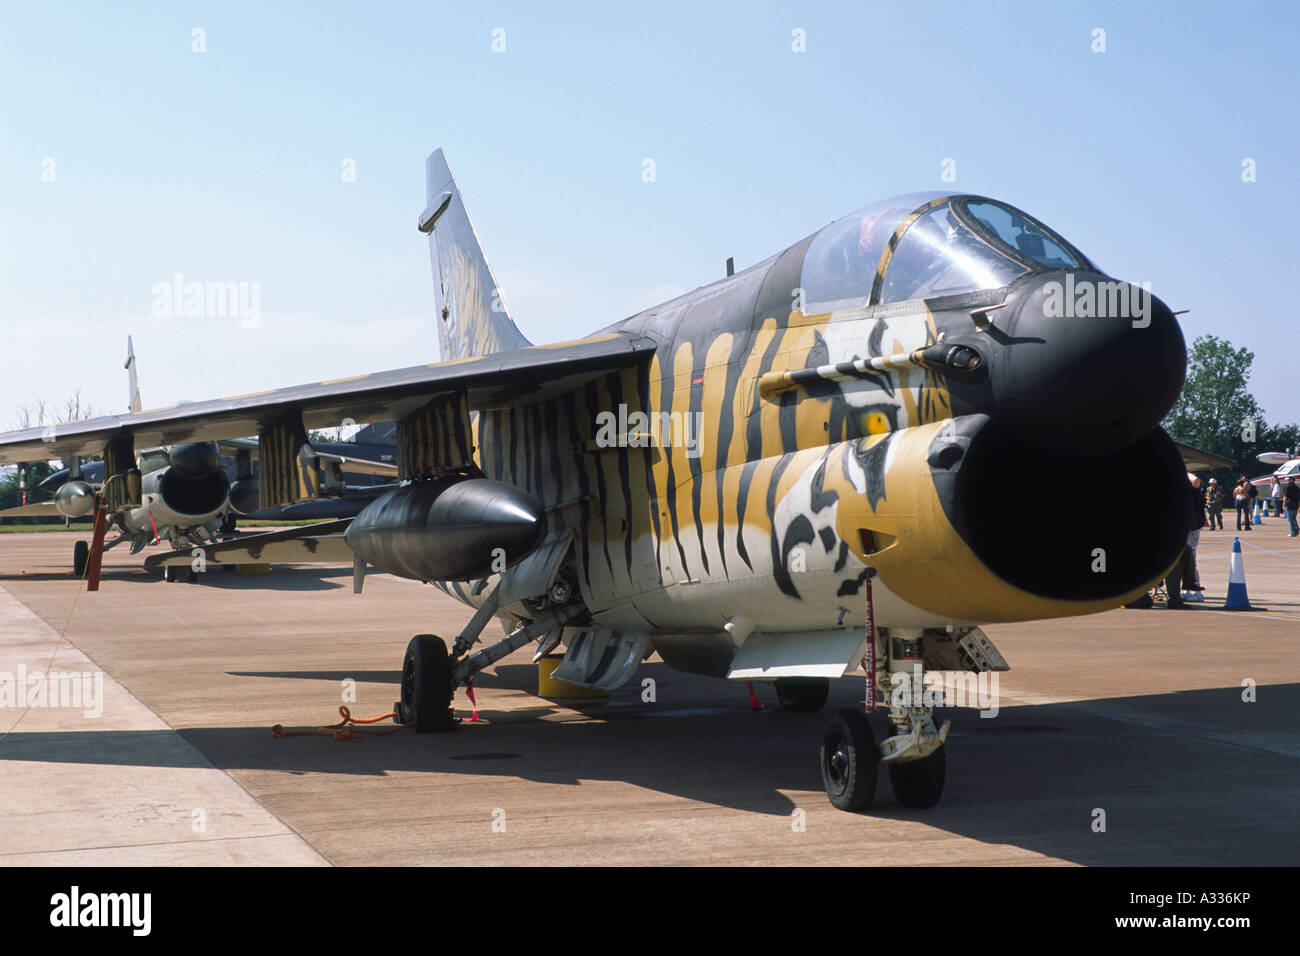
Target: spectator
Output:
[
  {"x": 1291, "y": 497},
  {"x": 1183, "y": 574},
  {"x": 1214, "y": 503},
  {"x": 1191, "y": 578},
  {"x": 1241, "y": 495},
  {"x": 1275, "y": 492}
]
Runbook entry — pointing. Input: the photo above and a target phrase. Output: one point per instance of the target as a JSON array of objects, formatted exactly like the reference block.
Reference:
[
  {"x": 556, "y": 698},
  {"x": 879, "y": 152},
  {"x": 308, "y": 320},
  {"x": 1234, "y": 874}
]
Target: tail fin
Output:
[
  {"x": 133, "y": 383},
  {"x": 471, "y": 311}
]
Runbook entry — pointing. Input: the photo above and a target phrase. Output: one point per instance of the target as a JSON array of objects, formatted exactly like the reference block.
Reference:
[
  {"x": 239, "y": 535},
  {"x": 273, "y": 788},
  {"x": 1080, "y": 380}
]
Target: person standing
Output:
[
  {"x": 1183, "y": 574},
  {"x": 1275, "y": 492},
  {"x": 1291, "y": 498},
  {"x": 1241, "y": 495},
  {"x": 1192, "y": 590},
  {"x": 1214, "y": 503}
]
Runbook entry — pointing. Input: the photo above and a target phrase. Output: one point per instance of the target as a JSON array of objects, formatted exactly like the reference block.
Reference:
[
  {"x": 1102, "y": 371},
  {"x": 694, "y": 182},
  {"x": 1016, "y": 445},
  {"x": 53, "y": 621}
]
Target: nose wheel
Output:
[
  {"x": 913, "y": 750},
  {"x": 919, "y": 783},
  {"x": 850, "y": 761}
]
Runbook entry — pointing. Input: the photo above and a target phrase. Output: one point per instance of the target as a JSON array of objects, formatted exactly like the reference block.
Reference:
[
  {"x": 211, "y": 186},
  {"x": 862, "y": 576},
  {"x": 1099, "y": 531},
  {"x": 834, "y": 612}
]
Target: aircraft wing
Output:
[
  {"x": 1196, "y": 460},
  {"x": 41, "y": 509},
  {"x": 321, "y": 543},
  {"x": 519, "y": 376}
]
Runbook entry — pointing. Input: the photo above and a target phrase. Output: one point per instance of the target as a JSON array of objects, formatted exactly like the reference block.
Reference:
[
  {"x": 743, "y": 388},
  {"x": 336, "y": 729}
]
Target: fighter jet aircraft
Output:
[
  {"x": 186, "y": 495},
  {"x": 801, "y": 469}
]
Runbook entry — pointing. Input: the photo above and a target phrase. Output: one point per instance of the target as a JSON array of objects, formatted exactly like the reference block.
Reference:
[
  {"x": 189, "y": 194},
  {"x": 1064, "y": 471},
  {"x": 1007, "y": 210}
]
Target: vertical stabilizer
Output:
[
  {"x": 471, "y": 310},
  {"x": 133, "y": 384}
]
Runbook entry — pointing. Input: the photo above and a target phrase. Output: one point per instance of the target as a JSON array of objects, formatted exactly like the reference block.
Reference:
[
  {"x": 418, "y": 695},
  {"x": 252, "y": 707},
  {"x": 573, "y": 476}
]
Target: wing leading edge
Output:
[{"x": 518, "y": 377}]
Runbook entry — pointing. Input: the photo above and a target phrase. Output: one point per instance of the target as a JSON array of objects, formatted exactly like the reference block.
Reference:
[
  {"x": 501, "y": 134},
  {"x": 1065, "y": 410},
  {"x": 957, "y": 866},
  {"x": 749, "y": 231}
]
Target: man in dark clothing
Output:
[{"x": 1183, "y": 574}]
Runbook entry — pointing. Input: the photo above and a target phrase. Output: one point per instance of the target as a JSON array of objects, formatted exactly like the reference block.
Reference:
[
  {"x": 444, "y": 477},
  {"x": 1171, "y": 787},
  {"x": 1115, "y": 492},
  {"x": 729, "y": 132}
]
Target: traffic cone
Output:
[
  {"x": 1237, "y": 599},
  {"x": 1258, "y": 519}
]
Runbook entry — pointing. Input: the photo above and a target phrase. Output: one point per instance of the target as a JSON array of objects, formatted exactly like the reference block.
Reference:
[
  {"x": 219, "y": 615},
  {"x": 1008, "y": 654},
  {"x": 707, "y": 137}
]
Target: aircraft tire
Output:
[
  {"x": 80, "y": 558},
  {"x": 427, "y": 685},
  {"x": 919, "y": 783},
  {"x": 850, "y": 761},
  {"x": 803, "y": 695}
]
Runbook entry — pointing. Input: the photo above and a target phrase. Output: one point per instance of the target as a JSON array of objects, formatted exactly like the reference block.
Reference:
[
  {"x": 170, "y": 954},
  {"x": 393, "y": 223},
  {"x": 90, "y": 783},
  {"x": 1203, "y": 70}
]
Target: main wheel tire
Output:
[
  {"x": 919, "y": 783},
  {"x": 850, "y": 761},
  {"x": 80, "y": 558},
  {"x": 803, "y": 695},
  {"x": 427, "y": 685}
]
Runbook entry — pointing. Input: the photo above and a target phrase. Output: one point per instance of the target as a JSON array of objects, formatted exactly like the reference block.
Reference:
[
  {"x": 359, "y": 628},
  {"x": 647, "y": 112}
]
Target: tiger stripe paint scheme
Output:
[{"x": 764, "y": 518}]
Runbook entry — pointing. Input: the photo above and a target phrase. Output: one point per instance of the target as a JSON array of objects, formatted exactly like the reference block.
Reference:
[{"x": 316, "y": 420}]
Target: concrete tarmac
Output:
[{"x": 1133, "y": 717}]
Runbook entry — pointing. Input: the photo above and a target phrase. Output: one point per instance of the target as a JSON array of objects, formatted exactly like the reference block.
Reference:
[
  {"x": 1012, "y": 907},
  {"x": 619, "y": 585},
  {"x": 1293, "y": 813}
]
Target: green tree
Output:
[{"x": 1216, "y": 411}]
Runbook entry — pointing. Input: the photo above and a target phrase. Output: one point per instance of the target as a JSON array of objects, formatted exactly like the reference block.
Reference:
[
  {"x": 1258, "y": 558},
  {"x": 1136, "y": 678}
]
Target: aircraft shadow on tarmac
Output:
[
  {"x": 1189, "y": 777},
  {"x": 312, "y": 578}
]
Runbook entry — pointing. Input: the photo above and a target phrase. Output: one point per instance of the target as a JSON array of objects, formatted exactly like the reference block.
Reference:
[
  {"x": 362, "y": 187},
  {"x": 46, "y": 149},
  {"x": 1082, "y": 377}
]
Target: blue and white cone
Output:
[
  {"x": 1258, "y": 518},
  {"x": 1237, "y": 599}
]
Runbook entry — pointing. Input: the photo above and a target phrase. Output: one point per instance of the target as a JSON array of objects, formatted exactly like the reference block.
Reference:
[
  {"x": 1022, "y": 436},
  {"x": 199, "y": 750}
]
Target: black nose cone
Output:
[{"x": 1089, "y": 364}]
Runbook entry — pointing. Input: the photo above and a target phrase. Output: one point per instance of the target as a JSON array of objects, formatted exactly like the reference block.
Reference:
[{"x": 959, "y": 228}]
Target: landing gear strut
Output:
[
  {"x": 430, "y": 674},
  {"x": 913, "y": 752}
]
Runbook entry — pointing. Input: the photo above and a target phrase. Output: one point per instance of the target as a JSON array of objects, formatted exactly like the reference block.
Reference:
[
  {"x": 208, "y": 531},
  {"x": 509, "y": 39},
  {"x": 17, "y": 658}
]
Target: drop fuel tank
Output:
[{"x": 448, "y": 529}]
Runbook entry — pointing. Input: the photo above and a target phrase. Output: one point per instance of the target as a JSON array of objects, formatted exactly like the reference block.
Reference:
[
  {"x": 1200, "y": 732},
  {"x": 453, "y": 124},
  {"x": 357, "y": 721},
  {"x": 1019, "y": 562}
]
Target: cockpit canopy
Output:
[{"x": 924, "y": 245}]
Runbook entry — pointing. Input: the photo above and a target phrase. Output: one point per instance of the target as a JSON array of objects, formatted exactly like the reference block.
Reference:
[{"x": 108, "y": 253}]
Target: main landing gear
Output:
[
  {"x": 427, "y": 686},
  {"x": 913, "y": 753},
  {"x": 430, "y": 673}
]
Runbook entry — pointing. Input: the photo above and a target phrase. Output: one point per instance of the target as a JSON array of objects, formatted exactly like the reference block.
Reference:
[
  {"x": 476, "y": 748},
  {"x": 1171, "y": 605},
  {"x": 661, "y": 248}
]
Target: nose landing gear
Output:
[{"x": 914, "y": 751}]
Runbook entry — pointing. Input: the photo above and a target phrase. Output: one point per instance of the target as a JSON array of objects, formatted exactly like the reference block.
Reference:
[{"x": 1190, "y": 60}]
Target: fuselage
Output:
[{"x": 864, "y": 399}]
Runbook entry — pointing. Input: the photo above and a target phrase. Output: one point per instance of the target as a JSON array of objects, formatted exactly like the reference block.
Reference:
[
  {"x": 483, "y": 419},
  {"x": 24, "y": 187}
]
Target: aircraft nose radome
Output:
[{"x": 1088, "y": 365}]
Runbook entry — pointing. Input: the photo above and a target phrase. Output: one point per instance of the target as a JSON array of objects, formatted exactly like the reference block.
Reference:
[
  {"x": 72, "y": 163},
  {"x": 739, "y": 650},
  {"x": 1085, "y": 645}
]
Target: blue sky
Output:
[{"x": 226, "y": 165}]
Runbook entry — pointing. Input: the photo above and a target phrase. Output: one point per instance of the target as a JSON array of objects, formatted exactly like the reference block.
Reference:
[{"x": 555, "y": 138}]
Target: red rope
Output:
[{"x": 340, "y": 730}]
